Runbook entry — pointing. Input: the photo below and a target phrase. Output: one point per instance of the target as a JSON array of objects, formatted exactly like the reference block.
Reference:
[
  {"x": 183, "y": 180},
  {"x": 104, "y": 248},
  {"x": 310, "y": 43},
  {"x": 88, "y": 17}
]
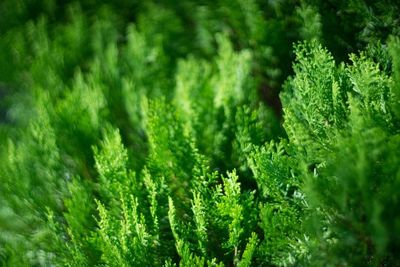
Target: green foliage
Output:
[
  {"x": 29, "y": 175},
  {"x": 149, "y": 133},
  {"x": 347, "y": 174}
]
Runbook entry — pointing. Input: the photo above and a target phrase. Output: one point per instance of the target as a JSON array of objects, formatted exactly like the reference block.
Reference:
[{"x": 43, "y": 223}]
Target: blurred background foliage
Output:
[{"x": 267, "y": 28}]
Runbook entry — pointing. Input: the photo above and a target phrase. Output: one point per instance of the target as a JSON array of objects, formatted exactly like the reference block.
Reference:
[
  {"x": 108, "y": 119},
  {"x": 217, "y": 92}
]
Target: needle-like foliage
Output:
[{"x": 194, "y": 133}]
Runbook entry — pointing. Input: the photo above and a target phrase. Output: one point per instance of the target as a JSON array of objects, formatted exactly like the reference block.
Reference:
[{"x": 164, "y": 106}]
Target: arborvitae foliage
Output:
[
  {"x": 150, "y": 134},
  {"x": 347, "y": 152}
]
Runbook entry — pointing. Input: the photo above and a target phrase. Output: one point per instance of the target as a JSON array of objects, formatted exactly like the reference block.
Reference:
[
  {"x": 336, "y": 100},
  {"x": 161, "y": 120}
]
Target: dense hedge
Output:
[{"x": 199, "y": 133}]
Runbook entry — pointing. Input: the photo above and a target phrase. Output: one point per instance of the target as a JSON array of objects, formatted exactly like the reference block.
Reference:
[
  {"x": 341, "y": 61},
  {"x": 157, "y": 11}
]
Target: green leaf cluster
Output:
[{"x": 193, "y": 133}]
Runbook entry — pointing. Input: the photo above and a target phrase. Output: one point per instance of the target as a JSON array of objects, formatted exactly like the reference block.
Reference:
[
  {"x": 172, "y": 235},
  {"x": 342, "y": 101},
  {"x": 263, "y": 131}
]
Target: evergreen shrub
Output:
[{"x": 199, "y": 133}]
